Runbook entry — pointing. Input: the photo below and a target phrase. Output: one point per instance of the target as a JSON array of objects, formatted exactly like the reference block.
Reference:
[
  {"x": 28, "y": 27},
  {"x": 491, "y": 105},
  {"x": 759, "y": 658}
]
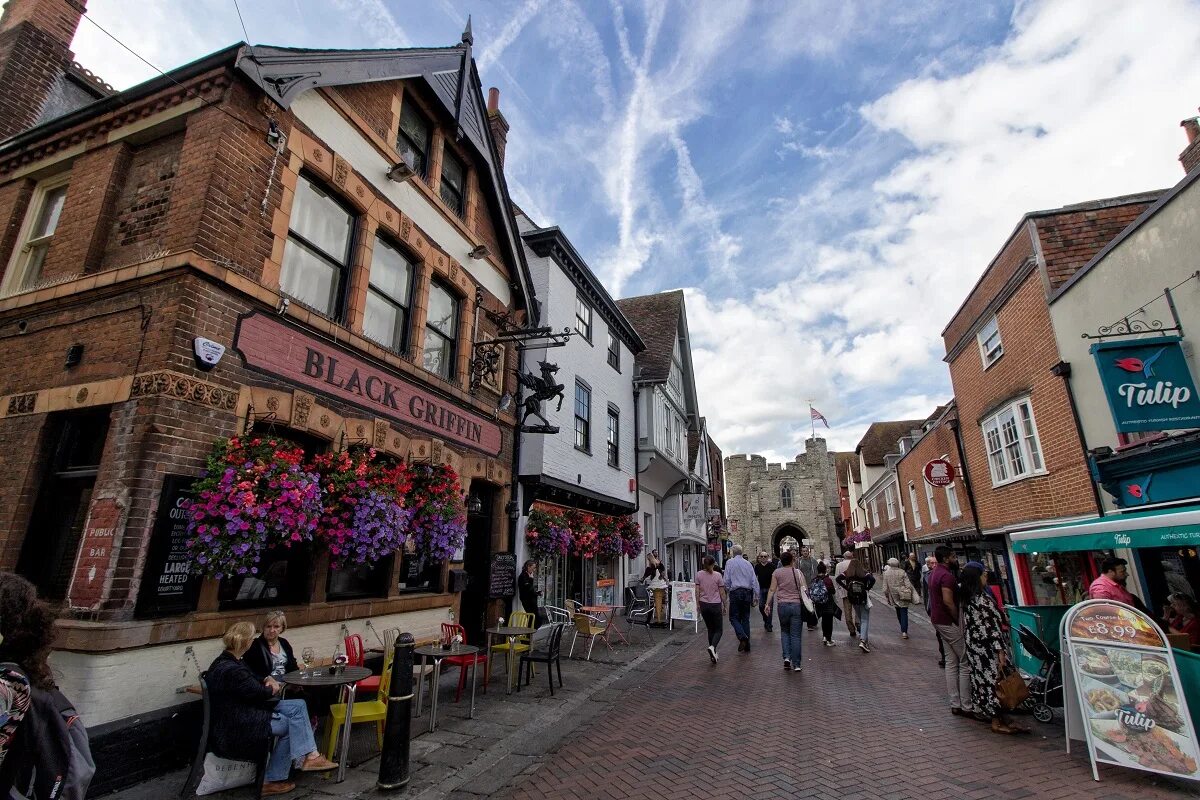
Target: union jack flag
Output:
[{"x": 818, "y": 415}]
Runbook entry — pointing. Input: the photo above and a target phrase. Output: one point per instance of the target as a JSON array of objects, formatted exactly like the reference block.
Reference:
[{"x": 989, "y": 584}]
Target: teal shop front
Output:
[{"x": 1148, "y": 384}]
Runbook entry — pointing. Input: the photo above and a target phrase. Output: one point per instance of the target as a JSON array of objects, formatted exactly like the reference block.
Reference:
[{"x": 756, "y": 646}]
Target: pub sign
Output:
[{"x": 1147, "y": 384}]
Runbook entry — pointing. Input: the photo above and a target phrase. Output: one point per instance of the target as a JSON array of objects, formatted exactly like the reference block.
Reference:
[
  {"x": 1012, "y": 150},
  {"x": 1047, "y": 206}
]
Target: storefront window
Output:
[
  {"x": 283, "y": 578},
  {"x": 419, "y": 574},
  {"x": 359, "y": 580},
  {"x": 1062, "y": 578}
]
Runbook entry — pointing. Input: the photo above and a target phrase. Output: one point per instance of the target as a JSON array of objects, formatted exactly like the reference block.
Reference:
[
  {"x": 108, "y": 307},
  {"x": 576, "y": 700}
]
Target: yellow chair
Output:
[
  {"x": 592, "y": 629},
  {"x": 364, "y": 710},
  {"x": 519, "y": 619}
]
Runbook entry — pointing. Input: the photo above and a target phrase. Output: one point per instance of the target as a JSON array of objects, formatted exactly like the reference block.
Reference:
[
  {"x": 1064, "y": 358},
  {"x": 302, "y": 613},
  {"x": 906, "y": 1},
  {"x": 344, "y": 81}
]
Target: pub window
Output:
[
  {"x": 614, "y": 437},
  {"x": 583, "y": 417},
  {"x": 583, "y": 318},
  {"x": 418, "y": 573},
  {"x": 316, "y": 259},
  {"x": 412, "y": 141},
  {"x": 359, "y": 580},
  {"x": 388, "y": 297},
  {"x": 441, "y": 331},
  {"x": 41, "y": 221},
  {"x": 614, "y": 352},
  {"x": 453, "y": 186},
  {"x": 75, "y": 443}
]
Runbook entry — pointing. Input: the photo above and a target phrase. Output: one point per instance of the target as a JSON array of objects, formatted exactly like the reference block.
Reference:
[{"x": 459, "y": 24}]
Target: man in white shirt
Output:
[{"x": 847, "y": 606}]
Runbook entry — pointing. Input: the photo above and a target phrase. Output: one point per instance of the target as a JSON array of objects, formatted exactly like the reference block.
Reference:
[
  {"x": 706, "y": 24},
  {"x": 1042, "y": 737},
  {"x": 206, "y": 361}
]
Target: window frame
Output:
[
  {"x": 345, "y": 268},
  {"x": 18, "y": 262},
  {"x": 990, "y": 356},
  {"x": 582, "y": 304},
  {"x": 933, "y": 515},
  {"x": 583, "y": 425},
  {"x": 430, "y": 329},
  {"x": 407, "y": 104},
  {"x": 457, "y": 206},
  {"x": 952, "y": 501},
  {"x": 1011, "y": 457},
  {"x": 614, "y": 351},
  {"x": 613, "y": 436},
  {"x": 875, "y": 511},
  {"x": 405, "y": 334},
  {"x": 785, "y": 496},
  {"x": 668, "y": 442},
  {"x": 889, "y": 497},
  {"x": 916, "y": 510}
]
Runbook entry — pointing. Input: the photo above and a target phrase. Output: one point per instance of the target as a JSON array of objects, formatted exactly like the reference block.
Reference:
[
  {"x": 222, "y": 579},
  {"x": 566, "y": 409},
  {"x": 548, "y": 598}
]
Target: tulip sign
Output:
[{"x": 1148, "y": 384}]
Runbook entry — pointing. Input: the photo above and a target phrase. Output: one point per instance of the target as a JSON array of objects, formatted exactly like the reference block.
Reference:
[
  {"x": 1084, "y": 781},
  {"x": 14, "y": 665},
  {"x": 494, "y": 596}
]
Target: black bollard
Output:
[{"x": 393, "y": 763}]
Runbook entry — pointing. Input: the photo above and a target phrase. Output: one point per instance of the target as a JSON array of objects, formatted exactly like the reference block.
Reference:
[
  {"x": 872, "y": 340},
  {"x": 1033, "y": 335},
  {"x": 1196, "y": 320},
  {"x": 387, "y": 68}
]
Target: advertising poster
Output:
[
  {"x": 1133, "y": 710},
  {"x": 683, "y": 604}
]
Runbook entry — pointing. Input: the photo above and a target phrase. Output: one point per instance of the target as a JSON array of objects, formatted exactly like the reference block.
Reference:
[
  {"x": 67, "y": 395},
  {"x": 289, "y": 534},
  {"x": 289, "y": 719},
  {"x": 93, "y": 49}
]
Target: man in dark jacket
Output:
[
  {"x": 763, "y": 569},
  {"x": 808, "y": 568}
]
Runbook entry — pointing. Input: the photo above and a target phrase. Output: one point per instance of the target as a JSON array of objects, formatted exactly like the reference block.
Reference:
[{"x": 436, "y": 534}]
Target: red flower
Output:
[{"x": 1130, "y": 364}]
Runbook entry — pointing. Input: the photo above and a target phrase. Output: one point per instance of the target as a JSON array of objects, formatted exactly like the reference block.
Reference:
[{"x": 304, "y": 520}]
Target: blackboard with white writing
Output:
[
  {"x": 502, "y": 581},
  {"x": 167, "y": 586}
]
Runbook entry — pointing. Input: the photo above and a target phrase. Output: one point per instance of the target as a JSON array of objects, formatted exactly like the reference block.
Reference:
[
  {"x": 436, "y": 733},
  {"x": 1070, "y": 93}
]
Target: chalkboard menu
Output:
[
  {"x": 502, "y": 581},
  {"x": 167, "y": 586}
]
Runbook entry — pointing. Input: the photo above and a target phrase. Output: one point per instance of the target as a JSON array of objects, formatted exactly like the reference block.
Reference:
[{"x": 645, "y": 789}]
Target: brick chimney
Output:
[
  {"x": 497, "y": 122},
  {"x": 1190, "y": 156},
  {"x": 35, "y": 49}
]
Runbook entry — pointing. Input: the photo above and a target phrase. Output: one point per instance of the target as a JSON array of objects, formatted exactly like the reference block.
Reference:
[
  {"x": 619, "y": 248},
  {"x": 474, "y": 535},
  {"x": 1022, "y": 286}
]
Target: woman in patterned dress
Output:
[{"x": 987, "y": 646}]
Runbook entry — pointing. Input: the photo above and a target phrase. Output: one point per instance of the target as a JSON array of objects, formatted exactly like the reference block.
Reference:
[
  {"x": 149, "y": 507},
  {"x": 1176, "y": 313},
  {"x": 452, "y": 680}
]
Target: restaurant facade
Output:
[{"x": 293, "y": 248}]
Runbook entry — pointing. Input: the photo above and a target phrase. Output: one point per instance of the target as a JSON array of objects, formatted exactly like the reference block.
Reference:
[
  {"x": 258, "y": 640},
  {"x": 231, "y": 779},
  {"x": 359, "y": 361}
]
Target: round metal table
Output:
[
  {"x": 436, "y": 653},
  {"x": 511, "y": 634},
  {"x": 320, "y": 678}
]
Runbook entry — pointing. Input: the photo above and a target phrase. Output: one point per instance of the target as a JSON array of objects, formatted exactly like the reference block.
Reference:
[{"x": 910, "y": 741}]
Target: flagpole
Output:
[{"x": 812, "y": 420}]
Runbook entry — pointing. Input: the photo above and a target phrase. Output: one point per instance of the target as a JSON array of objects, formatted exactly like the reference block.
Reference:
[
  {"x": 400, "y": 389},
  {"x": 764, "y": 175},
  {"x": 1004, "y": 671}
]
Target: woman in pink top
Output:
[
  {"x": 710, "y": 591},
  {"x": 787, "y": 587}
]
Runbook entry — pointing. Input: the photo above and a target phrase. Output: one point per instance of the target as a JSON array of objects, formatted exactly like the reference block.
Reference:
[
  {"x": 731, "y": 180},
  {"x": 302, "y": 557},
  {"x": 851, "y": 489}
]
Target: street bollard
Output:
[{"x": 393, "y": 763}]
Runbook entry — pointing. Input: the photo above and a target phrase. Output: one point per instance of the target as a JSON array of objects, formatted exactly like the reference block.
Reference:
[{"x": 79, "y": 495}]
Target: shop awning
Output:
[{"x": 1164, "y": 527}]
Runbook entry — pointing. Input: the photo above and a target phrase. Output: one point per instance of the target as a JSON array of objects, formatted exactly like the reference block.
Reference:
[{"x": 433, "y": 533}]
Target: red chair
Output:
[
  {"x": 449, "y": 631},
  {"x": 355, "y": 657}
]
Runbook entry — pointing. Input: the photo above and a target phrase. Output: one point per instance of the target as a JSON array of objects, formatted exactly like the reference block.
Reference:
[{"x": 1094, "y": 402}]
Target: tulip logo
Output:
[{"x": 1131, "y": 364}]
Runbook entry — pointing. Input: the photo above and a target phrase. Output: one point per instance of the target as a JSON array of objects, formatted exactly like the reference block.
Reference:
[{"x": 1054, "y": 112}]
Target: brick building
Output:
[
  {"x": 346, "y": 235},
  {"x": 718, "y": 521},
  {"x": 879, "y": 497},
  {"x": 1024, "y": 459}
]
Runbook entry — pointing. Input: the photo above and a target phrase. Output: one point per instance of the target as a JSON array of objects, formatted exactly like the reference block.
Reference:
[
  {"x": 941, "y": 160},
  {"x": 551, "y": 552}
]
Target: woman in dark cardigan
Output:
[
  {"x": 270, "y": 655},
  {"x": 245, "y": 714}
]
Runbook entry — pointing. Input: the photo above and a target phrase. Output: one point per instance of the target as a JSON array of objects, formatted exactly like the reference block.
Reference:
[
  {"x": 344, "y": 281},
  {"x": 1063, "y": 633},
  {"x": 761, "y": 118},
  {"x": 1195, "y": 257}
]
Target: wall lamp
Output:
[
  {"x": 400, "y": 172},
  {"x": 480, "y": 251}
]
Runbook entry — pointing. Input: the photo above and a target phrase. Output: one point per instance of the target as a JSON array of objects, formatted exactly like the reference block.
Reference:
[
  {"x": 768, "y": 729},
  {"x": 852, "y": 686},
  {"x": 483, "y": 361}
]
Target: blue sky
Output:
[{"x": 826, "y": 180}]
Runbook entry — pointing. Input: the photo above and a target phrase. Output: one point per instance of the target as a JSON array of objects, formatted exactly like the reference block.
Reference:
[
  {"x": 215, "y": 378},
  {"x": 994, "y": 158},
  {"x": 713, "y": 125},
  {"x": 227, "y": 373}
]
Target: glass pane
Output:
[
  {"x": 414, "y": 138},
  {"x": 52, "y": 206},
  {"x": 1031, "y": 442},
  {"x": 383, "y": 321},
  {"x": 452, "y": 198},
  {"x": 391, "y": 272},
  {"x": 452, "y": 171},
  {"x": 583, "y": 401},
  {"x": 320, "y": 220},
  {"x": 308, "y": 278},
  {"x": 437, "y": 355},
  {"x": 443, "y": 311},
  {"x": 33, "y": 266}
]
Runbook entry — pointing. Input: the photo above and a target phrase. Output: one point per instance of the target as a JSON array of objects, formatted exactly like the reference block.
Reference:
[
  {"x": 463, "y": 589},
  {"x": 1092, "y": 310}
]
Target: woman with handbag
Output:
[
  {"x": 987, "y": 647},
  {"x": 898, "y": 591},
  {"x": 788, "y": 586}
]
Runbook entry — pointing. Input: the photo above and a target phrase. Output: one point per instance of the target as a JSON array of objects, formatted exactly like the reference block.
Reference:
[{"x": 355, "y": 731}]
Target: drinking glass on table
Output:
[{"x": 307, "y": 657}]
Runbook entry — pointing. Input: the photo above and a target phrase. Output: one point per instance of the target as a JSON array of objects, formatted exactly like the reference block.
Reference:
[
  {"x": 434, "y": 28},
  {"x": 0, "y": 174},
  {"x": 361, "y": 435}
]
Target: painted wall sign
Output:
[
  {"x": 94, "y": 556},
  {"x": 1127, "y": 695},
  {"x": 167, "y": 586},
  {"x": 275, "y": 347},
  {"x": 1148, "y": 384},
  {"x": 939, "y": 473}
]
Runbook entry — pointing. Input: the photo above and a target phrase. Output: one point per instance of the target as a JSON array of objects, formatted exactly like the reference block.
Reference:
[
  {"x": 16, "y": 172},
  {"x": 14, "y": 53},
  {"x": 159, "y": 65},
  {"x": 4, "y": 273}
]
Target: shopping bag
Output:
[{"x": 1011, "y": 689}]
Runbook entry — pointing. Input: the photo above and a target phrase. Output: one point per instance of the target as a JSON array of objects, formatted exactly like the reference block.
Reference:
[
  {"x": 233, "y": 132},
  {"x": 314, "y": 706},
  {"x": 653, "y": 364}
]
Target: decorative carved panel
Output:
[{"x": 181, "y": 387}]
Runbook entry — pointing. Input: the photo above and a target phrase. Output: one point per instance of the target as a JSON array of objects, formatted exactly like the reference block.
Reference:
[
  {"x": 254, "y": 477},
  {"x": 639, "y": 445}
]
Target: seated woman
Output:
[
  {"x": 246, "y": 713},
  {"x": 270, "y": 655},
  {"x": 1182, "y": 618}
]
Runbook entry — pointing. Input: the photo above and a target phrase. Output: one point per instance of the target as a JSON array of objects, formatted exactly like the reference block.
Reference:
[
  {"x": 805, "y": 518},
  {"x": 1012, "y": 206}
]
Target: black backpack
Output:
[
  {"x": 46, "y": 754},
  {"x": 856, "y": 590}
]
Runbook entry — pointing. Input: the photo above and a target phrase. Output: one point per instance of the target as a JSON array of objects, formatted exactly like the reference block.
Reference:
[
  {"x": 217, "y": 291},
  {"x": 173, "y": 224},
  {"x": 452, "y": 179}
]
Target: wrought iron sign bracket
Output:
[
  {"x": 1133, "y": 327},
  {"x": 486, "y": 355}
]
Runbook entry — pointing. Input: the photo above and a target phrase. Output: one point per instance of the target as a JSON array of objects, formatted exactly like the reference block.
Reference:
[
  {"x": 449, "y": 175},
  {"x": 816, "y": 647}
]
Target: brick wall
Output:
[
  {"x": 35, "y": 37},
  {"x": 139, "y": 214},
  {"x": 374, "y": 104},
  {"x": 1015, "y": 253},
  {"x": 1069, "y": 240},
  {"x": 938, "y": 442}
]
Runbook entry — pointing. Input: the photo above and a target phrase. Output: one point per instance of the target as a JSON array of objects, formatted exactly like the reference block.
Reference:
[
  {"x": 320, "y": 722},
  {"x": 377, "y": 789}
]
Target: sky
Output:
[{"x": 826, "y": 181}]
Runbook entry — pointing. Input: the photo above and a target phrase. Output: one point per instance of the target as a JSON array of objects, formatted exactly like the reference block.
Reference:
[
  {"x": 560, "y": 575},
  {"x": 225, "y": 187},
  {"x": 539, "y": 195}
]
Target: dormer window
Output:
[
  {"x": 453, "y": 186},
  {"x": 414, "y": 139}
]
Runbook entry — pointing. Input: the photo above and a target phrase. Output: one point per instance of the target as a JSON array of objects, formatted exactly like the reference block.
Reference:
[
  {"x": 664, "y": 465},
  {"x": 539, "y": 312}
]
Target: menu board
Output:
[
  {"x": 683, "y": 604},
  {"x": 1130, "y": 701},
  {"x": 502, "y": 578},
  {"x": 167, "y": 585}
]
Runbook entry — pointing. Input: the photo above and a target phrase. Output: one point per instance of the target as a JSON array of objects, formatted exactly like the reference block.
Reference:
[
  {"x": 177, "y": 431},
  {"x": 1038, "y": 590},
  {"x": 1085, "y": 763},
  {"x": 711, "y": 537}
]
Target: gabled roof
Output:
[
  {"x": 843, "y": 462},
  {"x": 881, "y": 438},
  {"x": 656, "y": 319}
]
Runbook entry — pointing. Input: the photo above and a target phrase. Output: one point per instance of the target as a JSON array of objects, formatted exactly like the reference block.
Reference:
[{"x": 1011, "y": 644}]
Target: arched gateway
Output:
[{"x": 787, "y": 537}]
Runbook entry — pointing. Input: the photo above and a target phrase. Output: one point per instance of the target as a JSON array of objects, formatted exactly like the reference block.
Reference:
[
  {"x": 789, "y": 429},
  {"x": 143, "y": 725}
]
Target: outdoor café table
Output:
[
  {"x": 511, "y": 634},
  {"x": 610, "y": 622},
  {"x": 435, "y": 652},
  {"x": 319, "y": 677}
]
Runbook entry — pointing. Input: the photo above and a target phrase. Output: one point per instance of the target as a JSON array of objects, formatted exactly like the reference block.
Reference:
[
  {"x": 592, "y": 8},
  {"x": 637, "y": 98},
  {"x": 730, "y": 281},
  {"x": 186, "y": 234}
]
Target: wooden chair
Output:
[
  {"x": 364, "y": 711},
  {"x": 590, "y": 628},
  {"x": 551, "y": 655},
  {"x": 356, "y": 654},
  {"x": 519, "y": 619},
  {"x": 450, "y": 629},
  {"x": 194, "y": 774}
]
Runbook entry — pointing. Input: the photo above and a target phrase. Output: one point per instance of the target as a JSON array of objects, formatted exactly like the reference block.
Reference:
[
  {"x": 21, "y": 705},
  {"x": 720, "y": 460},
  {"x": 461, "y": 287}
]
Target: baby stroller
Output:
[{"x": 1046, "y": 687}]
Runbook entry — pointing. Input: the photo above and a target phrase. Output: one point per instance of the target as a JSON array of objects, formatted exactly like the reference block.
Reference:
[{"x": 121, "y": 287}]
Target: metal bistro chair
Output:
[
  {"x": 639, "y": 610},
  {"x": 356, "y": 655},
  {"x": 193, "y": 777},
  {"x": 556, "y": 614},
  {"x": 592, "y": 629},
  {"x": 518, "y": 619},
  {"x": 551, "y": 655}
]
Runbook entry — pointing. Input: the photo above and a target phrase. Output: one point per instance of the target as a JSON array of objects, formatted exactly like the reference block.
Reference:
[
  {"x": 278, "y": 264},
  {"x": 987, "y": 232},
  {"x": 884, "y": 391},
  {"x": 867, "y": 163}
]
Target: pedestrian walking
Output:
[
  {"x": 912, "y": 568},
  {"x": 763, "y": 570},
  {"x": 986, "y": 646},
  {"x": 857, "y": 582},
  {"x": 788, "y": 587},
  {"x": 847, "y": 608},
  {"x": 742, "y": 585},
  {"x": 713, "y": 600},
  {"x": 808, "y": 568},
  {"x": 821, "y": 591},
  {"x": 898, "y": 591},
  {"x": 930, "y": 563},
  {"x": 944, "y": 614}
]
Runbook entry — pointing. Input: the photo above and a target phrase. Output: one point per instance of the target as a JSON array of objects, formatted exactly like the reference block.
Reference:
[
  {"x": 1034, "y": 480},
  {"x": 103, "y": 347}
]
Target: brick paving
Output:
[{"x": 851, "y": 725}]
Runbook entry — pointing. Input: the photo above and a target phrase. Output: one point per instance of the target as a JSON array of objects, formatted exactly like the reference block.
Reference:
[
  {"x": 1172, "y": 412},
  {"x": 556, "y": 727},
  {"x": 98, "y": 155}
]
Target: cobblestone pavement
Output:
[{"x": 851, "y": 725}]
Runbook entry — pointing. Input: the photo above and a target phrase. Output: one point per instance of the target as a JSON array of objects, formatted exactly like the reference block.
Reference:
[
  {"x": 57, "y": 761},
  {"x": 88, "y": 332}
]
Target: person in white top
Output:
[{"x": 847, "y": 606}]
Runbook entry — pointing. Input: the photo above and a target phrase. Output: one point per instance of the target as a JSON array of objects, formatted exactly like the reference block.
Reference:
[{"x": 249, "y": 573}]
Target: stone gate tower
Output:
[{"x": 769, "y": 502}]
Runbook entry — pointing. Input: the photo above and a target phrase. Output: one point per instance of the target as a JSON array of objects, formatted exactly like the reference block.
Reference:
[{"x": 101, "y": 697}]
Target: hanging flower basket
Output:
[
  {"x": 547, "y": 534},
  {"x": 256, "y": 494},
  {"x": 584, "y": 536},
  {"x": 630, "y": 532},
  {"x": 608, "y": 537},
  {"x": 439, "y": 521},
  {"x": 862, "y": 536},
  {"x": 364, "y": 518}
]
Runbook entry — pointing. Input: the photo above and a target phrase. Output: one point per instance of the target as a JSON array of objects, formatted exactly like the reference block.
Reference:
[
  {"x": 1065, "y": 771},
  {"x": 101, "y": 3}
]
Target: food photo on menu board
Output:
[{"x": 1129, "y": 692}]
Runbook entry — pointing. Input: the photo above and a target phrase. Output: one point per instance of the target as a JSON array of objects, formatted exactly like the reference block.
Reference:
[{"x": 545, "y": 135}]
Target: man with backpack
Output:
[
  {"x": 857, "y": 582},
  {"x": 847, "y": 607}
]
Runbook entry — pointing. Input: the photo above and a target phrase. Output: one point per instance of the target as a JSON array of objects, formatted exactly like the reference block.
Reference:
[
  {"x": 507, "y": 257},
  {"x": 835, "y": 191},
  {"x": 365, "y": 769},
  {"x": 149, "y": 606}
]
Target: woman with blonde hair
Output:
[
  {"x": 246, "y": 712},
  {"x": 270, "y": 655}
]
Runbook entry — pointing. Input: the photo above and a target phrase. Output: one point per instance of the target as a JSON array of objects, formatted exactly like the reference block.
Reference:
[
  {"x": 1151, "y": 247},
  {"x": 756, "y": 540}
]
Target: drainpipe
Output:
[
  {"x": 1063, "y": 370},
  {"x": 955, "y": 428}
]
